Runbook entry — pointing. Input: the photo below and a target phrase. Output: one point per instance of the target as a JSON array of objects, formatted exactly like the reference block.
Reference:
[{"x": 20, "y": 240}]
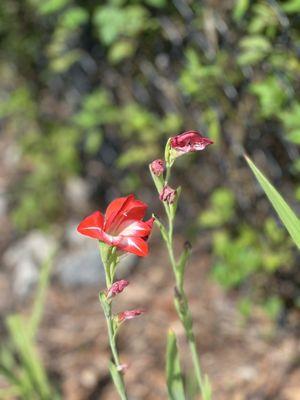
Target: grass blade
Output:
[
  {"x": 173, "y": 371},
  {"x": 284, "y": 211}
]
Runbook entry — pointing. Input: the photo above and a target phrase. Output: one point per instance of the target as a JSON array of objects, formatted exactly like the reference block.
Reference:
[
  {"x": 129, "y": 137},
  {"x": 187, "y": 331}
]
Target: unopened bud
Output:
[
  {"x": 117, "y": 288},
  {"x": 157, "y": 167},
  {"x": 187, "y": 245},
  {"x": 168, "y": 194},
  {"x": 126, "y": 315},
  {"x": 122, "y": 367}
]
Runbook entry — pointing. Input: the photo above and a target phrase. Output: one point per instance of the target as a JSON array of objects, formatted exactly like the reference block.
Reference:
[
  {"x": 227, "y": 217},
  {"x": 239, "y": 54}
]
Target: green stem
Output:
[
  {"x": 110, "y": 261},
  {"x": 196, "y": 363},
  {"x": 182, "y": 306}
]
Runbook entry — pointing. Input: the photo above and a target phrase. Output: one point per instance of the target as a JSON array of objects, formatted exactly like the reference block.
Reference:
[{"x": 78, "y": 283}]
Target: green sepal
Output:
[
  {"x": 173, "y": 370},
  {"x": 105, "y": 304},
  {"x": 109, "y": 260},
  {"x": 168, "y": 149},
  {"x": 158, "y": 180},
  {"x": 161, "y": 228},
  {"x": 173, "y": 206}
]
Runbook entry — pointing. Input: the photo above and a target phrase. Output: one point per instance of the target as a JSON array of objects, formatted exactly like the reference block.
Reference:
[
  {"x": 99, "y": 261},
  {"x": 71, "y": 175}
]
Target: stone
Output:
[
  {"x": 83, "y": 267},
  {"x": 77, "y": 193},
  {"x": 25, "y": 257}
]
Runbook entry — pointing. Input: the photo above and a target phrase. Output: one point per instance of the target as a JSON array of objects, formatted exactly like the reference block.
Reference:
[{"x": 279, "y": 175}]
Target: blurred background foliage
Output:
[{"x": 93, "y": 89}]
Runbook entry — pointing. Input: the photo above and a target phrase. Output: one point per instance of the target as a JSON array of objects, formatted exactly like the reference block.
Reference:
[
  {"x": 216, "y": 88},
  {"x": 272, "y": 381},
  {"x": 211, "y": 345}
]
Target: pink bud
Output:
[
  {"x": 122, "y": 367},
  {"x": 188, "y": 142},
  {"x": 157, "y": 167},
  {"x": 117, "y": 288},
  {"x": 125, "y": 315},
  {"x": 168, "y": 194}
]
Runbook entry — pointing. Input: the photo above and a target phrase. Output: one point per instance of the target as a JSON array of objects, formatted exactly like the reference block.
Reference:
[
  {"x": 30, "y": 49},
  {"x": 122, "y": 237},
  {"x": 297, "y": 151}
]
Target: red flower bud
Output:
[
  {"x": 188, "y": 142},
  {"x": 117, "y": 288},
  {"x": 168, "y": 194},
  {"x": 125, "y": 315},
  {"x": 157, "y": 167}
]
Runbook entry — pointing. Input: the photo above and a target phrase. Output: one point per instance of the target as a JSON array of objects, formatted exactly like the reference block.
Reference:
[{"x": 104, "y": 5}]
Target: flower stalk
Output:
[
  {"x": 120, "y": 229},
  {"x": 189, "y": 142},
  {"x": 110, "y": 260}
]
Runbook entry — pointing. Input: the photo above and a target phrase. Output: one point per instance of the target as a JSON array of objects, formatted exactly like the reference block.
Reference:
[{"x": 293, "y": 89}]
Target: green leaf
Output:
[
  {"x": 294, "y": 136},
  {"x": 173, "y": 371},
  {"x": 292, "y": 6},
  {"x": 117, "y": 379},
  {"x": 40, "y": 297},
  {"x": 207, "y": 390},
  {"x": 285, "y": 213},
  {"x": 29, "y": 357},
  {"x": 240, "y": 8}
]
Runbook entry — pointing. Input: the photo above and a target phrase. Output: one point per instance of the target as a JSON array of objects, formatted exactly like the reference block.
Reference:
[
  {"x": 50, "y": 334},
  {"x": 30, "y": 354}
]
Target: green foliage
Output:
[
  {"x": 271, "y": 95},
  {"x": 112, "y": 22},
  {"x": 240, "y": 8},
  {"x": 240, "y": 256},
  {"x": 20, "y": 364},
  {"x": 253, "y": 49},
  {"x": 221, "y": 209},
  {"x": 173, "y": 371}
]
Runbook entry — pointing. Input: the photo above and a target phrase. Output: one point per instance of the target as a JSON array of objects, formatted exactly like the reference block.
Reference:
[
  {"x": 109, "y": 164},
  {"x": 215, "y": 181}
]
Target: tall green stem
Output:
[
  {"x": 182, "y": 307},
  {"x": 109, "y": 260},
  {"x": 180, "y": 300}
]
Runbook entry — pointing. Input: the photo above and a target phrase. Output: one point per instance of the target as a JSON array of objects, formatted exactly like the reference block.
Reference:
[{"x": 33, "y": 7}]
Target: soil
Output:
[{"x": 245, "y": 360}]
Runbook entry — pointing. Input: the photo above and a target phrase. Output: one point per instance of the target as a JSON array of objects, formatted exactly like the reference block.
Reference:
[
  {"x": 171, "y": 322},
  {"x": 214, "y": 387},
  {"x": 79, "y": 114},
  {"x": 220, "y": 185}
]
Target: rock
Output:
[
  {"x": 25, "y": 257},
  {"x": 84, "y": 267},
  {"x": 3, "y": 204},
  {"x": 77, "y": 193},
  {"x": 80, "y": 267}
]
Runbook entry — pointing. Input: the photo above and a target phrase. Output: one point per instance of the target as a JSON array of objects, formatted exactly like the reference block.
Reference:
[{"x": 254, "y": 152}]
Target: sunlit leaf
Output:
[{"x": 284, "y": 211}]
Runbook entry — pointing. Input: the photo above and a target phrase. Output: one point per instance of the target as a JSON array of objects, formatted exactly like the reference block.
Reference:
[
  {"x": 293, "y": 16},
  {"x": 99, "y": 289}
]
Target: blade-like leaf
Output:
[
  {"x": 118, "y": 382},
  {"x": 173, "y": 371},
  {"x": 284, "y": 211}
]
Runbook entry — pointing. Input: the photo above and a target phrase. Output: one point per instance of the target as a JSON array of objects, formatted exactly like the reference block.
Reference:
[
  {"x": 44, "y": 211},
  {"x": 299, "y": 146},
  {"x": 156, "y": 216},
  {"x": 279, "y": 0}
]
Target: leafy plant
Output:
[{"x": 20, "y": 364}]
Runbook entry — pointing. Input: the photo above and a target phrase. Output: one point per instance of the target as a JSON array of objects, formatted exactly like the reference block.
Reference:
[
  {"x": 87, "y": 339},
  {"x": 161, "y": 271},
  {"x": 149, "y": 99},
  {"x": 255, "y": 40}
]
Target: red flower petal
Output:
[
  {"x": 134, "y": 245},
  {"x": 134, "y": 228},
  {"x": 118, "y": 211},
  {"x": 189, "y": 141},
  {"x": 114, "y": 208},
  {"x": 92, "y": 226}
]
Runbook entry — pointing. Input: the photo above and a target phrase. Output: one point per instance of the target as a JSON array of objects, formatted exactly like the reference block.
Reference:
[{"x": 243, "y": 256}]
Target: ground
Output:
[{"x": 251, "y": 360}]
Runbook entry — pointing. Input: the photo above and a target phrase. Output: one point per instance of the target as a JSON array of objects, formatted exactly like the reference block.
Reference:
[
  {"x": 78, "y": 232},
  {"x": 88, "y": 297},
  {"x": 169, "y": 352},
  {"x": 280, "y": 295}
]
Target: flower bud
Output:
[
  {"x": 157, "y": 167},
  {"x": 168, "y": 194},
  {"x": 122, "y": 367},
  {"x": 188, "y": 142},
  {"x": 126, "y": 315},
  {"x": 117, "y": 288}
]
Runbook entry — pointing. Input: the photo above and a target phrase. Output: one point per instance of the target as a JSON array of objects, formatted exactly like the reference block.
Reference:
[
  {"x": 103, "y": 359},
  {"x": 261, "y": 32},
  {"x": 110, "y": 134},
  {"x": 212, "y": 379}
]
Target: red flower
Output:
[
  {"x": 157, "y": 167},
  {"x": 168, "y": 194},
  {"x": 125, "y": 315},
  {"x": 122, "y": 225},
  {"x": 188, "y": 142},
  {"x": 117, "y": 288}
]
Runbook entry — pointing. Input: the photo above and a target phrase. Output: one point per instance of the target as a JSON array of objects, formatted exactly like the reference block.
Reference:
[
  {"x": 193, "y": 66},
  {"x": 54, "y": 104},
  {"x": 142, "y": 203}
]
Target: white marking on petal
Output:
[
  {"x": 94, "y": 227},
  {"x": 132, "y": 243}
]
